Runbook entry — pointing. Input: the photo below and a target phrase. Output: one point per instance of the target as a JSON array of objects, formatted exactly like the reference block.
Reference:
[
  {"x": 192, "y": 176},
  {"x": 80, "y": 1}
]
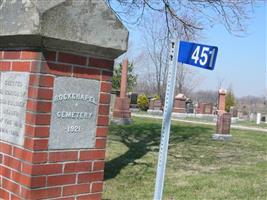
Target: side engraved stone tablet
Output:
[
  {"x": 74, "y": 113},
  {"x": 13, "y": 100}
]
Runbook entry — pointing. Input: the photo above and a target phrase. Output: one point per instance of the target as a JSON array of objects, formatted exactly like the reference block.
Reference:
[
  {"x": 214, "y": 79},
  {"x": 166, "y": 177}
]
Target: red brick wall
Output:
[{"x": 33, "y": 171}]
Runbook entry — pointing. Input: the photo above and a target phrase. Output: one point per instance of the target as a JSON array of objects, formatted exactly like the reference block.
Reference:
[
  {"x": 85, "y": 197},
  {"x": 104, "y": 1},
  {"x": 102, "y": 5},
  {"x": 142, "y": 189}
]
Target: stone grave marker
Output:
[
  {"x": 179, "y": 103},
  {"x": 121, "y": 112},
  {"x": 223, "y": 124},
  {"x": 155, "y": 104},
  {"x": 133, "y": 100},
  {"x": 258, "y": 119}
]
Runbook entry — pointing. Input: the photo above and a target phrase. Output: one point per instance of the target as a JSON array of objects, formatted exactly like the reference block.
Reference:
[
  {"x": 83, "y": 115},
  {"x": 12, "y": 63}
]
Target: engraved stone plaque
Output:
[
  {"x": 74, "y": 113},
  {"x": 13, "y": 99}
]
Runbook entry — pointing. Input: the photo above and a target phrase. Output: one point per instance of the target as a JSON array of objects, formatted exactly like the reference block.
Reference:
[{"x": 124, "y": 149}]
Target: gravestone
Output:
[
  {"x": 121, "y": 112},
  {"x": 133, "y": 100},
  {"x": 223, "y": 124},
  {"x": 258, "y": 119},
  {"x": 155, "y": 107},
  {"x": 56, "y": 65},
  {"x": 189, "y": 107},
  {"x": 205, "y": 108},
  {"x": 155, "y": 104},
  {"x": 179, "y": 103}
]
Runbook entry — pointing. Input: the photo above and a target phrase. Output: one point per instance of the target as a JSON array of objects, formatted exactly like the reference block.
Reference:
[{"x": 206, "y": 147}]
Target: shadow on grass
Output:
[{"x": 140, "y": 138}]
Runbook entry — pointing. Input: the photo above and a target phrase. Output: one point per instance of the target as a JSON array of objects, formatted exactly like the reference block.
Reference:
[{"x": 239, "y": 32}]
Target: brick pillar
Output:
[
  {"x": 31, "y": 170},
  {"x": 56, "y": 65},
  {"x": 121, "y": 112}
]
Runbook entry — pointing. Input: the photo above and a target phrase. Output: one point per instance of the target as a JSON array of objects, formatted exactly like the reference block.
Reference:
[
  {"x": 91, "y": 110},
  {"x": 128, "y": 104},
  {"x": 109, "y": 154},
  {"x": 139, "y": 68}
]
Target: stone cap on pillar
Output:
[
  {"x": 222, "y": 91},
  {"x": 83, "y": 26},
  {"x": 180, "y": 96}
]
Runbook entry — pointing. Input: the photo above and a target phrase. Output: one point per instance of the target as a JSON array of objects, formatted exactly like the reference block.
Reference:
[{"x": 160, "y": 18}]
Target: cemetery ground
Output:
[
  {"x": 246, "y": 123},
  {"x": 210, "y": 120},
  {"x": 197, "y": 168}
]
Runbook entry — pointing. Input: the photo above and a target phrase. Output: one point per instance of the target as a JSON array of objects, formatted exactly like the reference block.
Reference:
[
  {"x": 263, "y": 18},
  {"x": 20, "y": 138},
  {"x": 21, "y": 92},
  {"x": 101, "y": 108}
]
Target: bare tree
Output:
[
  {"x": 145, "y": 85},
  {"x": 155, "y": 43},
  {"x": 187, "y": 80},
  {"x": 220, "y": 82},
  {"x": 191, "y": 15},
  {"x": 205, "y": 96}
]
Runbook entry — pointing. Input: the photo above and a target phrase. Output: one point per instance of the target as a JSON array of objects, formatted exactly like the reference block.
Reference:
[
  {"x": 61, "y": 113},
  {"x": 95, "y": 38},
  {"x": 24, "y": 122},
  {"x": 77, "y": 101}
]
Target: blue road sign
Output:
[{"x": 199, "y": 55}]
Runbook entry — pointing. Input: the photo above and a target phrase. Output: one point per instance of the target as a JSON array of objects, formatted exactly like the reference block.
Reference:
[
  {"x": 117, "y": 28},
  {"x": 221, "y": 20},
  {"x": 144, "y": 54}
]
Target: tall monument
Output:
[
  {"x": 223, "y": 124},
  {"x": 121, "y": 112}
]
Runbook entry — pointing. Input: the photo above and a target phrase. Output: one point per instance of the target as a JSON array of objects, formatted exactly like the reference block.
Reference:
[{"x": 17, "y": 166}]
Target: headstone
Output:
[
  {"x": 223, "y": 127},
  {"x": 258, "y": 120},
  {"x": 205, "y": 108},
  {"x": 56, "y": 66},
  {"x": 189, "y": 107},
  {"x": 155, "y": 104},
  {"x": 133, "y": 100},
  {"x": 223, "y": 124},
  {"x": 121, "y": 112},
  {"x": 179, "y": 104}
]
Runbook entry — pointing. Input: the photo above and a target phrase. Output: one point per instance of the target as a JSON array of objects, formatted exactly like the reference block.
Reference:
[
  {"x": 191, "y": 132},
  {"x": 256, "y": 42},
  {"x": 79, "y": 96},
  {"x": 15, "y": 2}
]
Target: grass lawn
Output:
[
  {"x": 252, "y": 124},
  {"x": 242, "y": 123},
  {"x": 198, "y": 168}
]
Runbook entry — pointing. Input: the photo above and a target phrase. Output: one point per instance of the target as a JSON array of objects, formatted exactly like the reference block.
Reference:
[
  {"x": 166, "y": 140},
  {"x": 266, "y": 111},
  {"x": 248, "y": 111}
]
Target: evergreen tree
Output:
[
  {"x": 229, "y": 100},
  {"x": 131, "y": 78}
]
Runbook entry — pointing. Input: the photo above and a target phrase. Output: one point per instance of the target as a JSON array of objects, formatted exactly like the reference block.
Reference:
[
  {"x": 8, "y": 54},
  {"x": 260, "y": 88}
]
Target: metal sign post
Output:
[
  {"x": 199, "y": 55},
  {"x": 166, "y": 123}
]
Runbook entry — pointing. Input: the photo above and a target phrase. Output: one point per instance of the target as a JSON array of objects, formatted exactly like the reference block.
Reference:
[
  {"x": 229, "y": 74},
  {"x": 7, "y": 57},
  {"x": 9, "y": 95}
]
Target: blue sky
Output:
[{"x": 241, "y": 61}]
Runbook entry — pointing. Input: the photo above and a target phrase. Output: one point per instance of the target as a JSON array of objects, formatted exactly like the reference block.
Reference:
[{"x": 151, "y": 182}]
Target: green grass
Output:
[
  {"x": 241, "y": 123},
  {"x": 202, "y": 119},
  {"x": 252, "y": 124},
  {"x": 198, "y": 168}
]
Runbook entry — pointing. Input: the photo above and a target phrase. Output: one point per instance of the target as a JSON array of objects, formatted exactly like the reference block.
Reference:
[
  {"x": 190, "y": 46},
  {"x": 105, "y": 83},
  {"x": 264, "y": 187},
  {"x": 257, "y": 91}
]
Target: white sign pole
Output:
[{"x": 166, "y": 123}]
